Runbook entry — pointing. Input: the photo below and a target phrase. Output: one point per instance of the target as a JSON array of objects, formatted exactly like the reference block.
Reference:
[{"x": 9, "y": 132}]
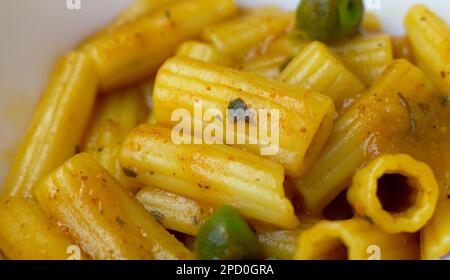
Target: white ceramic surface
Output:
[{"x": 34, "y": 33}]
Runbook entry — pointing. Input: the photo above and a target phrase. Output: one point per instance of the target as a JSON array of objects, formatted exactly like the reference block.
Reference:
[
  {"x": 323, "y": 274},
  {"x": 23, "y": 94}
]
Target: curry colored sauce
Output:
[{"x": 428, "y": 140}]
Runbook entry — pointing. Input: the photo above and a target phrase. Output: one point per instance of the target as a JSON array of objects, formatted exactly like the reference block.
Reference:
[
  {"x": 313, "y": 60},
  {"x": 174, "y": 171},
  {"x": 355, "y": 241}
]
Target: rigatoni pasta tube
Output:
[
  {"x": 380, "y": 113},
  {"x": 316, "y": 68},
  {"x": 137, "y": 10},
  {"x": 212, "y": 174},
  {"x": 136, "y": 50},
  {"x": 57, "y": 125},
  {"x": 305, "y": 117},
  {"x": 174, "y": 211},
  {"x": 269, "y": 65},
  {"x": 396, "y": 192},
  {"x": 355, "y": 239},
  {"x": 100, "y": 215},
  {"x": 239, "y": 35},
  {"x": 429, "y": 36},
  {"x": 201, "y": 51},
  {"x": 281, "y": 243},
  {"x": 27, "y": 234},
  {"x": 367, "y": 56},
  {"x": 115, "y": 115},
  {"x": 435, "y": 241}
]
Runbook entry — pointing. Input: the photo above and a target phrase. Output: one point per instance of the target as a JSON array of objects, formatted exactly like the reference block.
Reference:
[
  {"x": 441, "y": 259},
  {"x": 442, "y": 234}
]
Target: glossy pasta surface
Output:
[{"x": 197, "y": 129}]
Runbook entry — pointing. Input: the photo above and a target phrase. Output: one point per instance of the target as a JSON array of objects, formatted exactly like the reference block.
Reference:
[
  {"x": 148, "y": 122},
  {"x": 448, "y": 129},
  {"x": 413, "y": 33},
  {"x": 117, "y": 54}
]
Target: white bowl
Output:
[{"x": 35, "y": 33}]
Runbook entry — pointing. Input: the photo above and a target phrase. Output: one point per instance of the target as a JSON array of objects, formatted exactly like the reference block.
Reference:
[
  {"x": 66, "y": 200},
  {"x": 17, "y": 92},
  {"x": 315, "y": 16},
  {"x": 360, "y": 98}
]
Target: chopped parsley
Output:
[
  {"x": 237, "y": 111},
  {"x": 445, "y": 100},
  {"x": 405, "y": 104}
]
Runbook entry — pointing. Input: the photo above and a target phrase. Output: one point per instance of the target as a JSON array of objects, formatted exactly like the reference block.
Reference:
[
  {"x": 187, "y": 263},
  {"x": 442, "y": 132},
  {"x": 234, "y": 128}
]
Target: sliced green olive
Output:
[
  {"x": 226, "y": 236},
  {"x": 329, "y": 20}
]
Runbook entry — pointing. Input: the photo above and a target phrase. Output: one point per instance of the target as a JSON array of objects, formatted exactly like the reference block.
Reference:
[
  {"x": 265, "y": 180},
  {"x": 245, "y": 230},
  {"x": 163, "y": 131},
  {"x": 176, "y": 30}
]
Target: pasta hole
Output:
[
  {"x": 397, "y": 193},
  {"x": 338, "y": 209},
  {"x": 331, "y": 249}
]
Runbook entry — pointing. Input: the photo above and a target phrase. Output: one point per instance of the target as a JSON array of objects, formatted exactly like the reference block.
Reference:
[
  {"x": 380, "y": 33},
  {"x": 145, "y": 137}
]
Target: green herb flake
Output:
[
  {"x": 120, "y": 221},
  {"x": 237, "y": 104},
  {"x": 129, "y": 173},
  {"x": 168, "y": 14},
  {"x": 159, "y": 217},
  {"x": 237, "y": 111},
  {"x": 405, "y": 104},
  {"x": 445, "y": 100}
]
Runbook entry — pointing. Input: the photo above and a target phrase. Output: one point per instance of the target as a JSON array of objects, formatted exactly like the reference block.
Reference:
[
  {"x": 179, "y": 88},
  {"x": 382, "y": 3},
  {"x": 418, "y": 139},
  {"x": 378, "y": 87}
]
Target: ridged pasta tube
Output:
[
  {"x": 396, "y": 192},
  {"x": 269, "y": 65},
  {"x": 174, "y": 211},
  {"x": 367, "y": 56},
  {"x": 139, "y": 9},
  {"x": 380, "y": 113},
  {"x": 239, "y": 35},
  {"x": 27, "y": 234},
  {"x": 201, "y": 51},
  {"x": 115, "y": 115},
  {"x": 135, "y": 51},
  {"x": 355, "y": 239},
  {"x": 212, "y": 174},
  {"x": 57, "y": 125},
  {"x": 429, "y": 36},
  {"x": 100, "y": 215},
  {"x": 317, "y": 69},
  {"x": 305, "y": 117}
]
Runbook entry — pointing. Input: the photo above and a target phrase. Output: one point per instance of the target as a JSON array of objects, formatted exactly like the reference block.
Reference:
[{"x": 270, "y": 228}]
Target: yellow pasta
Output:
[
  {"x": 212, "y": 174},
  {"x": 317, "y": 69},
  {"x": 305, "y": 117},
  {"x": 26, "y": 234},
  {"x": 201, "y": 51},
  {"x": 100, "y": 215},
  {"x": 115, "y": 116},
  {"x": 355, "y": 240},
  {"x": 289, "y": 45},
  {"x": 174, "y": 211},
  {"x": 281, "y": 244},
  {"x": 238, "y": 36},
  {"x": 401, "y": 47},
  {"x": 135, "y": 51},
  {"x": 367, "y": 56},
  {"x": 435, "y": 237},
  {"x": 382, "y": 112},
  {"x": 371, "y": 23},
  {"x": 151, "y": 119},
  {"x": 396, "y": 192},
  {"x": 55, "y": 131},
  {"x": 189, "y": 129},
  {"x": 139, "y": 9},
  {"x": 269, "y": 65},
  {"x": 430, "y": 41}
]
